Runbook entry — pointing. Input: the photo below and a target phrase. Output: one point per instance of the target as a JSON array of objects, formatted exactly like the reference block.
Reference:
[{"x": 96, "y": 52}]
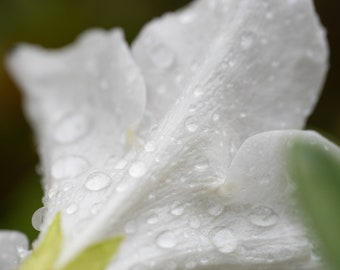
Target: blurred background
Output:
[{"x": 54, "y": 23}]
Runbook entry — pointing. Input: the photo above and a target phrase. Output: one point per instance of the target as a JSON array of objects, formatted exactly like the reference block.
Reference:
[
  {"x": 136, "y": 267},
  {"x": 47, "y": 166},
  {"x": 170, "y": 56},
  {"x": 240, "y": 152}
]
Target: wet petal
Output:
[
  {"x": 250, "y": 221},
  {"x": 13, "y": 248},
  {"x": 84, "y": 101},
  {"x": 239, "y": 66}
]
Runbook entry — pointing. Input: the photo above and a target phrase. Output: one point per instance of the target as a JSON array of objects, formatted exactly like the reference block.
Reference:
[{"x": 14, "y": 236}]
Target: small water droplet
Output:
[
  {"x": 71, "y": 128},
  {"x": 69, "y": 167},
  {"x": 150, "y": 146},
  {"x": 247, "y": 41},
  {"x": 137, "y": 169},
  {"x": 162, "y": 56},
  {"x": 191, "y": 124},
  {"x": 215, "y": 209},
  {"x": 130, "y": 227},
  {"x": 177, "y": 209},
  {"x": 198, "y": 92},
  {"x": 190, "y": 264},
  {"x": 194, "y": 222},
  {"x": 166, "y": 239},
  {"x": 263, "y": 216},
  {"x": 71, "y": 209},
  {"x": 96, "y": 208},
  {"x": 224, "y": 240},
  {"x": 243, "y": 115},
  {"x": 97, "y": 181},
  {"x": 153, "y": 219},
  {"x": 215, "y": 117},
  {"x": 201, "y": 164},
  {"x": 38, "y": 218}
]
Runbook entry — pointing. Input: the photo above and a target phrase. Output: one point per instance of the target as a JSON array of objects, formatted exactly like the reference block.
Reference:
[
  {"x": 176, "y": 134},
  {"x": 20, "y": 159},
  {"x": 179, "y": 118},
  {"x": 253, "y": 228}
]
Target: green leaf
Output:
[
  {"x": 45, "y": 256},
  {"x": 316, "y": 171},
  {"x": 96, "y": 256}
]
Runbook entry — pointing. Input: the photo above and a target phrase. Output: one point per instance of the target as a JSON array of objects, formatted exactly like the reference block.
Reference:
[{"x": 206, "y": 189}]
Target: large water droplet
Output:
[
  {"x": 71, "y": 128},
  {"x": 162, "y": 56},
  {"x": 137, "y": 169},
  {"x": 38, "y": 218},
  {"x": 69, "y": 167},
  {"x": 263, "y": 216},
  {"x": 71, "y": 209},
  {"x": 97, "y": 181},
  {"x": 166, "y": 239},
  {"x": 224, "y": 240}
]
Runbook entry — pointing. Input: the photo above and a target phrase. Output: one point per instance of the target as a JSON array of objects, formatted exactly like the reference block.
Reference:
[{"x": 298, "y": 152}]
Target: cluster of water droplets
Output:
[{"x": 13, "y": 249}]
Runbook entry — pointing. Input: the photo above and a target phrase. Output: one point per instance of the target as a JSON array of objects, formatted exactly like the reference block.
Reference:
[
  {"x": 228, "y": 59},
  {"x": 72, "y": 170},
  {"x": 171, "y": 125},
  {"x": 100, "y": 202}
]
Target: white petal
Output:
[
  {"x": 13, "y": 248},
  {"x": 248, "y": 222},
  {"x": 83, "y": 101},
  {"x": 250, "y": 66}
]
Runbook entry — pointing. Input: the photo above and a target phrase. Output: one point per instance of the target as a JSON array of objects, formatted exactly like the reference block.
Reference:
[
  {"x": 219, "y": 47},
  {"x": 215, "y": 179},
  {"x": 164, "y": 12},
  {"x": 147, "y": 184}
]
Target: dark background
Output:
[{"x": 54, "y": 23}]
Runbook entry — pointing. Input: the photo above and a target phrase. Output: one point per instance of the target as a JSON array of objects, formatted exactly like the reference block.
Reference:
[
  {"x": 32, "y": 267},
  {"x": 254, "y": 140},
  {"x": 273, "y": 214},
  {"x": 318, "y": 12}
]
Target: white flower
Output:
[{"x": 179, "y": 145}]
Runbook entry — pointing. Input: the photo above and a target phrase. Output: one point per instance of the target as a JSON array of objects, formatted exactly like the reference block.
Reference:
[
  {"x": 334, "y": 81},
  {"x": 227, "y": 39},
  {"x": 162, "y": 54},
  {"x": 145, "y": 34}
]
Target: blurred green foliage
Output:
[
  {"x": 54, "y": 23},
  {"x": 316, "y": 172}
]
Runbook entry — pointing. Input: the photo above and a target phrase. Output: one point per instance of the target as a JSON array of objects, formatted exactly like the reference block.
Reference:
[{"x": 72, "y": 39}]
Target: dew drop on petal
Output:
[
  {"x": 215, "y": 209},
  {"x": 150, "y": 146},
  {"x": 137, "y": 169},
  {"x": 96, "y": 208},
  {"x": 153, "y": 219},
  {"x": 38, "y": 218},
  {"x": 71, "y": 209},
  {"x": 162, "y": 56},
  {"x": 130, "y": 227},
  {"x": 97, "y": 181},
  {"x": 224, "y": 240},
  {"x": 166, "y": 239},
  {"x": 71, "y": 128},
  {"x": 191, "y": 124},
  {"x": 177, "y": 209},
  {"x": 247, "y": 40},
  {"x": 194, "y": 222},
  {"x": 69, "y": 167},
  {"x": 263, "y": 216},
  {"x": 201, "y": 164}
]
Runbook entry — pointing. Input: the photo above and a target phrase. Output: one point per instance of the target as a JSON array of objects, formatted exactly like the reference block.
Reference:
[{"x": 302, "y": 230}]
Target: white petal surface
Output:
[
  {"x": 13, "y": 248},
  {"x": 82, "y": 100},
  {"x": 250, "y": 66},
  {"x": 250, "y": 221}
]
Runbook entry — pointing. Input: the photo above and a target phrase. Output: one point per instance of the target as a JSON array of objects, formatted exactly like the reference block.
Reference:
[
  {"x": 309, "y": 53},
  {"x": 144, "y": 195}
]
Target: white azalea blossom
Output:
[{"x": 178, "y": 144}]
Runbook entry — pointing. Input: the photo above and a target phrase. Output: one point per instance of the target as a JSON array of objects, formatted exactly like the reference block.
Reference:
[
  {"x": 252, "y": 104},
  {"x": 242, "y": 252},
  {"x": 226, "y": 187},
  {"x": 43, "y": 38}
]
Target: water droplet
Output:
[
  {"x": 130, "y": 227},
  {"x": 198, "y": 92},
  {"x": 215, "y": 209},
  {"x": 224, "y": 240},
  {"x": 121, "y": 164},
  {"x": 166, "y": 239},
  {"x": 153, "y": 219},
  {"x": 263, "y": 216},
  {"x": 243, "y": 115},
  {"x": 191, "y": 124},
  {"x": 190, "y": 264},
  {"x": 137, "y": 169},
  {"x": 162, "y": 56},
  {"x": 71, "y": 128},
  {"x": 194, "y": 222},
  {"x": 201, "y": 164},
  {"x": 177, "y": 209},
  {"x": 247, "y": 41},
  {"x": 97, "y": 181},
  {"x": 215, "y": 117},
  {"x": 150, "y": 146},
  {"x": 96, "y": 208},
  {"x": 69, "y": 167},
  {"x": 38, "y": 218},
  {"x": 71, "y": 209}
]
